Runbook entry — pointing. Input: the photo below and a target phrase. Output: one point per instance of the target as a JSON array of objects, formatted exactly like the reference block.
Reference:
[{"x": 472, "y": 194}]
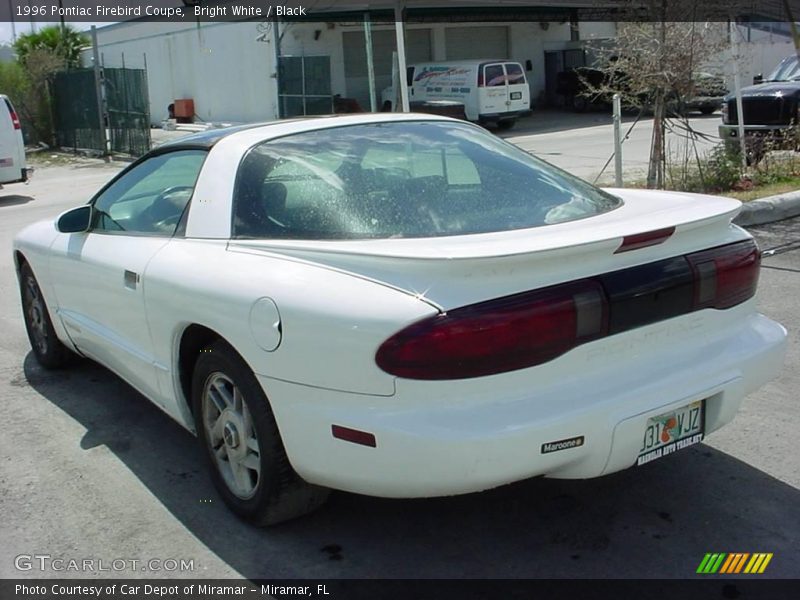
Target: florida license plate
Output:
[{"x": 671, "y": 431}]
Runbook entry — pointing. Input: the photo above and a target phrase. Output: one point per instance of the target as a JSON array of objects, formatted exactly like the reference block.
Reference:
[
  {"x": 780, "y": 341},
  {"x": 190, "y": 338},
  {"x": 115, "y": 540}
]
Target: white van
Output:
[
  {"x": 492, "y": 91},
  {"x": 13, "y": 168}
]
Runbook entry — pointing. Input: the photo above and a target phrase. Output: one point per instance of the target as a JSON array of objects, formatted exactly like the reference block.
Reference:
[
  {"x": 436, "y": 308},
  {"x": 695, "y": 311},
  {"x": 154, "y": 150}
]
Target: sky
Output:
[{"x": 6, "y": 35}]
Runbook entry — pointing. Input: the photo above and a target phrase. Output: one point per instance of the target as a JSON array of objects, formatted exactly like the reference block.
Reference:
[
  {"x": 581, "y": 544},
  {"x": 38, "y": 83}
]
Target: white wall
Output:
[
  {"x": 528, "y": 41},
  {"x": 759, "y": 56},
  {"x": 221, "y": 66},
  {"x": 230, "y": 75}
]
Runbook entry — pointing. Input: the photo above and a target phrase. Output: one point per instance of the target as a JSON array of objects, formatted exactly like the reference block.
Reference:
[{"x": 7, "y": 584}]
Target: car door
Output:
[
  {"x": 518, "y": 91},
  {"x": 492, "y": 96},
  {"x": 99, "y": 276}
]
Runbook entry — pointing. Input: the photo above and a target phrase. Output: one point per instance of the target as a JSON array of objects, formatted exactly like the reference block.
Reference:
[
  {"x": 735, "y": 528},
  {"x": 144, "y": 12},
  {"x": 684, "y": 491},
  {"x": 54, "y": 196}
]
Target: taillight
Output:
[
  {"x": 531, "y": 328},
  {"x": 643, "y": 240},
  {"x": 499, "y": 335},
  {"x": 725, "y": 276},
  {"x": 480, "y": 77},
  {"x": 13, "y": 113}
]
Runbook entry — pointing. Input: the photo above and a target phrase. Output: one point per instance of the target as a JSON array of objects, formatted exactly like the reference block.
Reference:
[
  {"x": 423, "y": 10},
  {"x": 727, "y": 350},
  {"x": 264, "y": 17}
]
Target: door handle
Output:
[{"x": 131, "y": 279}]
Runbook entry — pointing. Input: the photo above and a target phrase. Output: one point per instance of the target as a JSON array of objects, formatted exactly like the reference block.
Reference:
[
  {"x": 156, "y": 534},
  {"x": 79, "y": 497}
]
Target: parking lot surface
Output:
[{"x": 90, "y": 469}]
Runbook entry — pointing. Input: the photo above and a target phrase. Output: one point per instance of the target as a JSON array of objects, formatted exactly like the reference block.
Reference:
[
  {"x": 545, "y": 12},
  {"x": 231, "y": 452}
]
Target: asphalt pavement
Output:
[{"x": 90, "y": 469}]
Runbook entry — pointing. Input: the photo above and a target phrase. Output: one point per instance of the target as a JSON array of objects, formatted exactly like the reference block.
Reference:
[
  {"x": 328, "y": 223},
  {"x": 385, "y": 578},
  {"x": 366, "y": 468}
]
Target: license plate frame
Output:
[
  {"x": 672, "y": 431},
  {"x": 516, "y": 95}
]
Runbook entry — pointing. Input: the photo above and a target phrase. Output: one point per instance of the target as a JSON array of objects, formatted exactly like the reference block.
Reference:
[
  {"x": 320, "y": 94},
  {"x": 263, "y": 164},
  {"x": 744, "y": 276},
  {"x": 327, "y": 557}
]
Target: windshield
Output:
[
  {"x": 400, "y": 180},
  {"x": 787, "y": 70}
]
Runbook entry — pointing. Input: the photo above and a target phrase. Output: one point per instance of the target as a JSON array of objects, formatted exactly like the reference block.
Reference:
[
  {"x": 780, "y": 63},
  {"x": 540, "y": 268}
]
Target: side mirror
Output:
[
  {"x": 76, "y": 220},
  {"x": 758, "y": 79}
]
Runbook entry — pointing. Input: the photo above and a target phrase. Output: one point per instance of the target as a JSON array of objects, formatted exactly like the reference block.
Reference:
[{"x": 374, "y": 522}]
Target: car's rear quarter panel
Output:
[{"x": 331, "y": 323}]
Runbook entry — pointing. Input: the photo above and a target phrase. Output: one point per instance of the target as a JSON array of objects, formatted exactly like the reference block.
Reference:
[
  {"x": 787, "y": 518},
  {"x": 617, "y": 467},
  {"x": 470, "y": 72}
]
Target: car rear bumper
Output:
[
  {"x": 502, "y": 116},
  {"x": 453, "y": 437}
]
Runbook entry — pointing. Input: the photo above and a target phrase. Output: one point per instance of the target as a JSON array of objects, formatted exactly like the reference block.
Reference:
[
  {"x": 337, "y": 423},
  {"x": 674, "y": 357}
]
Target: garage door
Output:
[
  {"x": 418, "y": 49},
  {"x": 476, "y": 42}
]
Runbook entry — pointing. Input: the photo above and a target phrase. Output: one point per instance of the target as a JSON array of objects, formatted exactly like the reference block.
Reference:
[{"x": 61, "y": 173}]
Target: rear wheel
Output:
[
  {"x": 506, "y": 123},
  {"x": 707, "y": 110},
  {"x": 47, "y": 348},
  {"x": 241, "y": 442}
]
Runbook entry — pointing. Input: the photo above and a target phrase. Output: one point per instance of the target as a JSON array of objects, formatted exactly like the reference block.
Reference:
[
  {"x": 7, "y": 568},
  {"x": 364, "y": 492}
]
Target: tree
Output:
[
  {"x": 653, "y": 64},
  {"x": 64, "y": 42},
  {"x": 40, "y": 55}
]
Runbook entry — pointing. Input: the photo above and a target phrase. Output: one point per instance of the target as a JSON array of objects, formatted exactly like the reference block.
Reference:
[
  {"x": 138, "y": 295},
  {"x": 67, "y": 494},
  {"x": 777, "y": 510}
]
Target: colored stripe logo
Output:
[{"x": 734, "y": 562}]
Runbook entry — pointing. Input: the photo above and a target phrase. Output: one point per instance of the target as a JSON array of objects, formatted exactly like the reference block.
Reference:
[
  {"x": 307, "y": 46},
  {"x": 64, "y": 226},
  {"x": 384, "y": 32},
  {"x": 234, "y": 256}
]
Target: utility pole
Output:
[
  {"x": 617, "y": 141},
  {"x": 13, "y": 24},
  {"x": 98, "y": 85}
]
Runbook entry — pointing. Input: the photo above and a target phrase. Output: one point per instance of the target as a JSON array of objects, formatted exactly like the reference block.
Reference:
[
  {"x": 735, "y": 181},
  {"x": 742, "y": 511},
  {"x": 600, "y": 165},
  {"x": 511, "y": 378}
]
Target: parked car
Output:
[
  {"x": 491, "y": 91},
  {"x": 576, "y": 85},
  {"x": 13, "y": 166},
  {"x": 400, "y": 305},
  {"x": 770, "y": 112},
  {"x": 707, "y": 94}
]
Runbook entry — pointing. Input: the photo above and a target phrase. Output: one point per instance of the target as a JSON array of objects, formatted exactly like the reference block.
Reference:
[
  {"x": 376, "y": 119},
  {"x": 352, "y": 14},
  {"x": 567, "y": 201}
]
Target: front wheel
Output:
[
  {"x": 47, "y": 348},
  {"x": 241, "y": 442}
]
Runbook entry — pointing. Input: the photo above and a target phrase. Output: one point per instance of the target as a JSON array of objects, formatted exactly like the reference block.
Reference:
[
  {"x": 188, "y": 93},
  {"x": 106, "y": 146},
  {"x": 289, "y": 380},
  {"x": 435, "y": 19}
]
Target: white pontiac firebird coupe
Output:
[{"x": 400, "y": 306}]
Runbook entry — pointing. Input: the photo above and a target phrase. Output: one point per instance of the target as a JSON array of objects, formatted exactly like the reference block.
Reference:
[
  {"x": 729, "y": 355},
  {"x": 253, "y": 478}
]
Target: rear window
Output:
[
  {"x": 402, "y": 180},
  {"x": 514, "y": 73},
  {"x": 494, "y": 75}
]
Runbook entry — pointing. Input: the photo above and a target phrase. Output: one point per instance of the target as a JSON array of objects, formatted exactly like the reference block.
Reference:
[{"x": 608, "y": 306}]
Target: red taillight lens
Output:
[
  {"x": 534, "y": 327},
  {"x": 14, "y": 117},
  {"x": 500, "y": 335},
  {"x": 480, "y": 77},
  {"x": 643, "y": 240},
  {"x": 725, "y": 276}
]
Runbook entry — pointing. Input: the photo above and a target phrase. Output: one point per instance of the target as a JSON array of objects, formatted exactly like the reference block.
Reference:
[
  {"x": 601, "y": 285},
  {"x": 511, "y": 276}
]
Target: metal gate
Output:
[
  {"x": 75, "y": 111},
  {"x": 125, "y": 110},
  {"x": 128, "y": 109},
  {"x": 304, "y": 85}
]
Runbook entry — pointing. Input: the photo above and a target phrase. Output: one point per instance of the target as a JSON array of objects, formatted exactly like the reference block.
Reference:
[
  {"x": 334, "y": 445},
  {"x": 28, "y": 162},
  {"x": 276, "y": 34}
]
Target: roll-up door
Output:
[
  {"x": 418, "y": 49},
  {"x": 476, "y": 42}
]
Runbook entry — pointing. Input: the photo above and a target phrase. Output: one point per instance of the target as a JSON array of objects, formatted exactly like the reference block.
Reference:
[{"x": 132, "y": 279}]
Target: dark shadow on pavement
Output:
[
  {"x": 656, "y": 521},
  {"x": 13, "y": 199}
]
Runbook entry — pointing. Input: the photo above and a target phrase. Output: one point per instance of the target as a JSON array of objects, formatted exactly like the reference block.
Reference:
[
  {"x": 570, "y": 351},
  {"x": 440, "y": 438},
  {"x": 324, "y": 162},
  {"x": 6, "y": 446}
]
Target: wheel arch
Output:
[
  {"x": 192, "y": 340},
  {"x": 19, "y": 260}
]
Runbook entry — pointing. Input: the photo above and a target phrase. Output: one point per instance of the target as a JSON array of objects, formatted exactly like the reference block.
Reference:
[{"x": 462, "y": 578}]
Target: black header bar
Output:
[{"x": 193, "y": 11}]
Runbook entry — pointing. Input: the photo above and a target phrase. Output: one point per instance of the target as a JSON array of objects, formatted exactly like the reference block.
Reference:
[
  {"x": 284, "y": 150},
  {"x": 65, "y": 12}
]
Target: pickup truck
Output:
[{"x": 770, "y": 109}]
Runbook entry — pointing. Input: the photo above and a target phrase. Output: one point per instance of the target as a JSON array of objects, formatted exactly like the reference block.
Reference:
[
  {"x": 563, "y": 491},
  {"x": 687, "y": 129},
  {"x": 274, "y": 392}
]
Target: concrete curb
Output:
[{"x": 769, "y": 209}]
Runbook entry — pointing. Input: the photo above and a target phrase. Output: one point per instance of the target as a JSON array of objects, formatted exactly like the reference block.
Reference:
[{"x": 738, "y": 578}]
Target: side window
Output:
[
  {"x": 494, "y": 75},
  {"x": 151, "y": 197},
  {"x": 515, "y": 73}
]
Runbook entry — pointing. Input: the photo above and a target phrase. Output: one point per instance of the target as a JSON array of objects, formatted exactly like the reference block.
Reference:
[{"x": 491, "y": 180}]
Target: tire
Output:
[
  {"x": 241, "y": 442},
  {"x": 48, "y": 350},
  {"x": 707, "y": 110},
  {"x": 506, "y": 124}
]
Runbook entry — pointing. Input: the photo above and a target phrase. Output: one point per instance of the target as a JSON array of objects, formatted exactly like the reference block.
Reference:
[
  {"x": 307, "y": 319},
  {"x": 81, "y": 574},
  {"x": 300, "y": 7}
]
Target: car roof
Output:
[
  {"x": 278, "y": 128},
  {"x": 463, "y": 63}
]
